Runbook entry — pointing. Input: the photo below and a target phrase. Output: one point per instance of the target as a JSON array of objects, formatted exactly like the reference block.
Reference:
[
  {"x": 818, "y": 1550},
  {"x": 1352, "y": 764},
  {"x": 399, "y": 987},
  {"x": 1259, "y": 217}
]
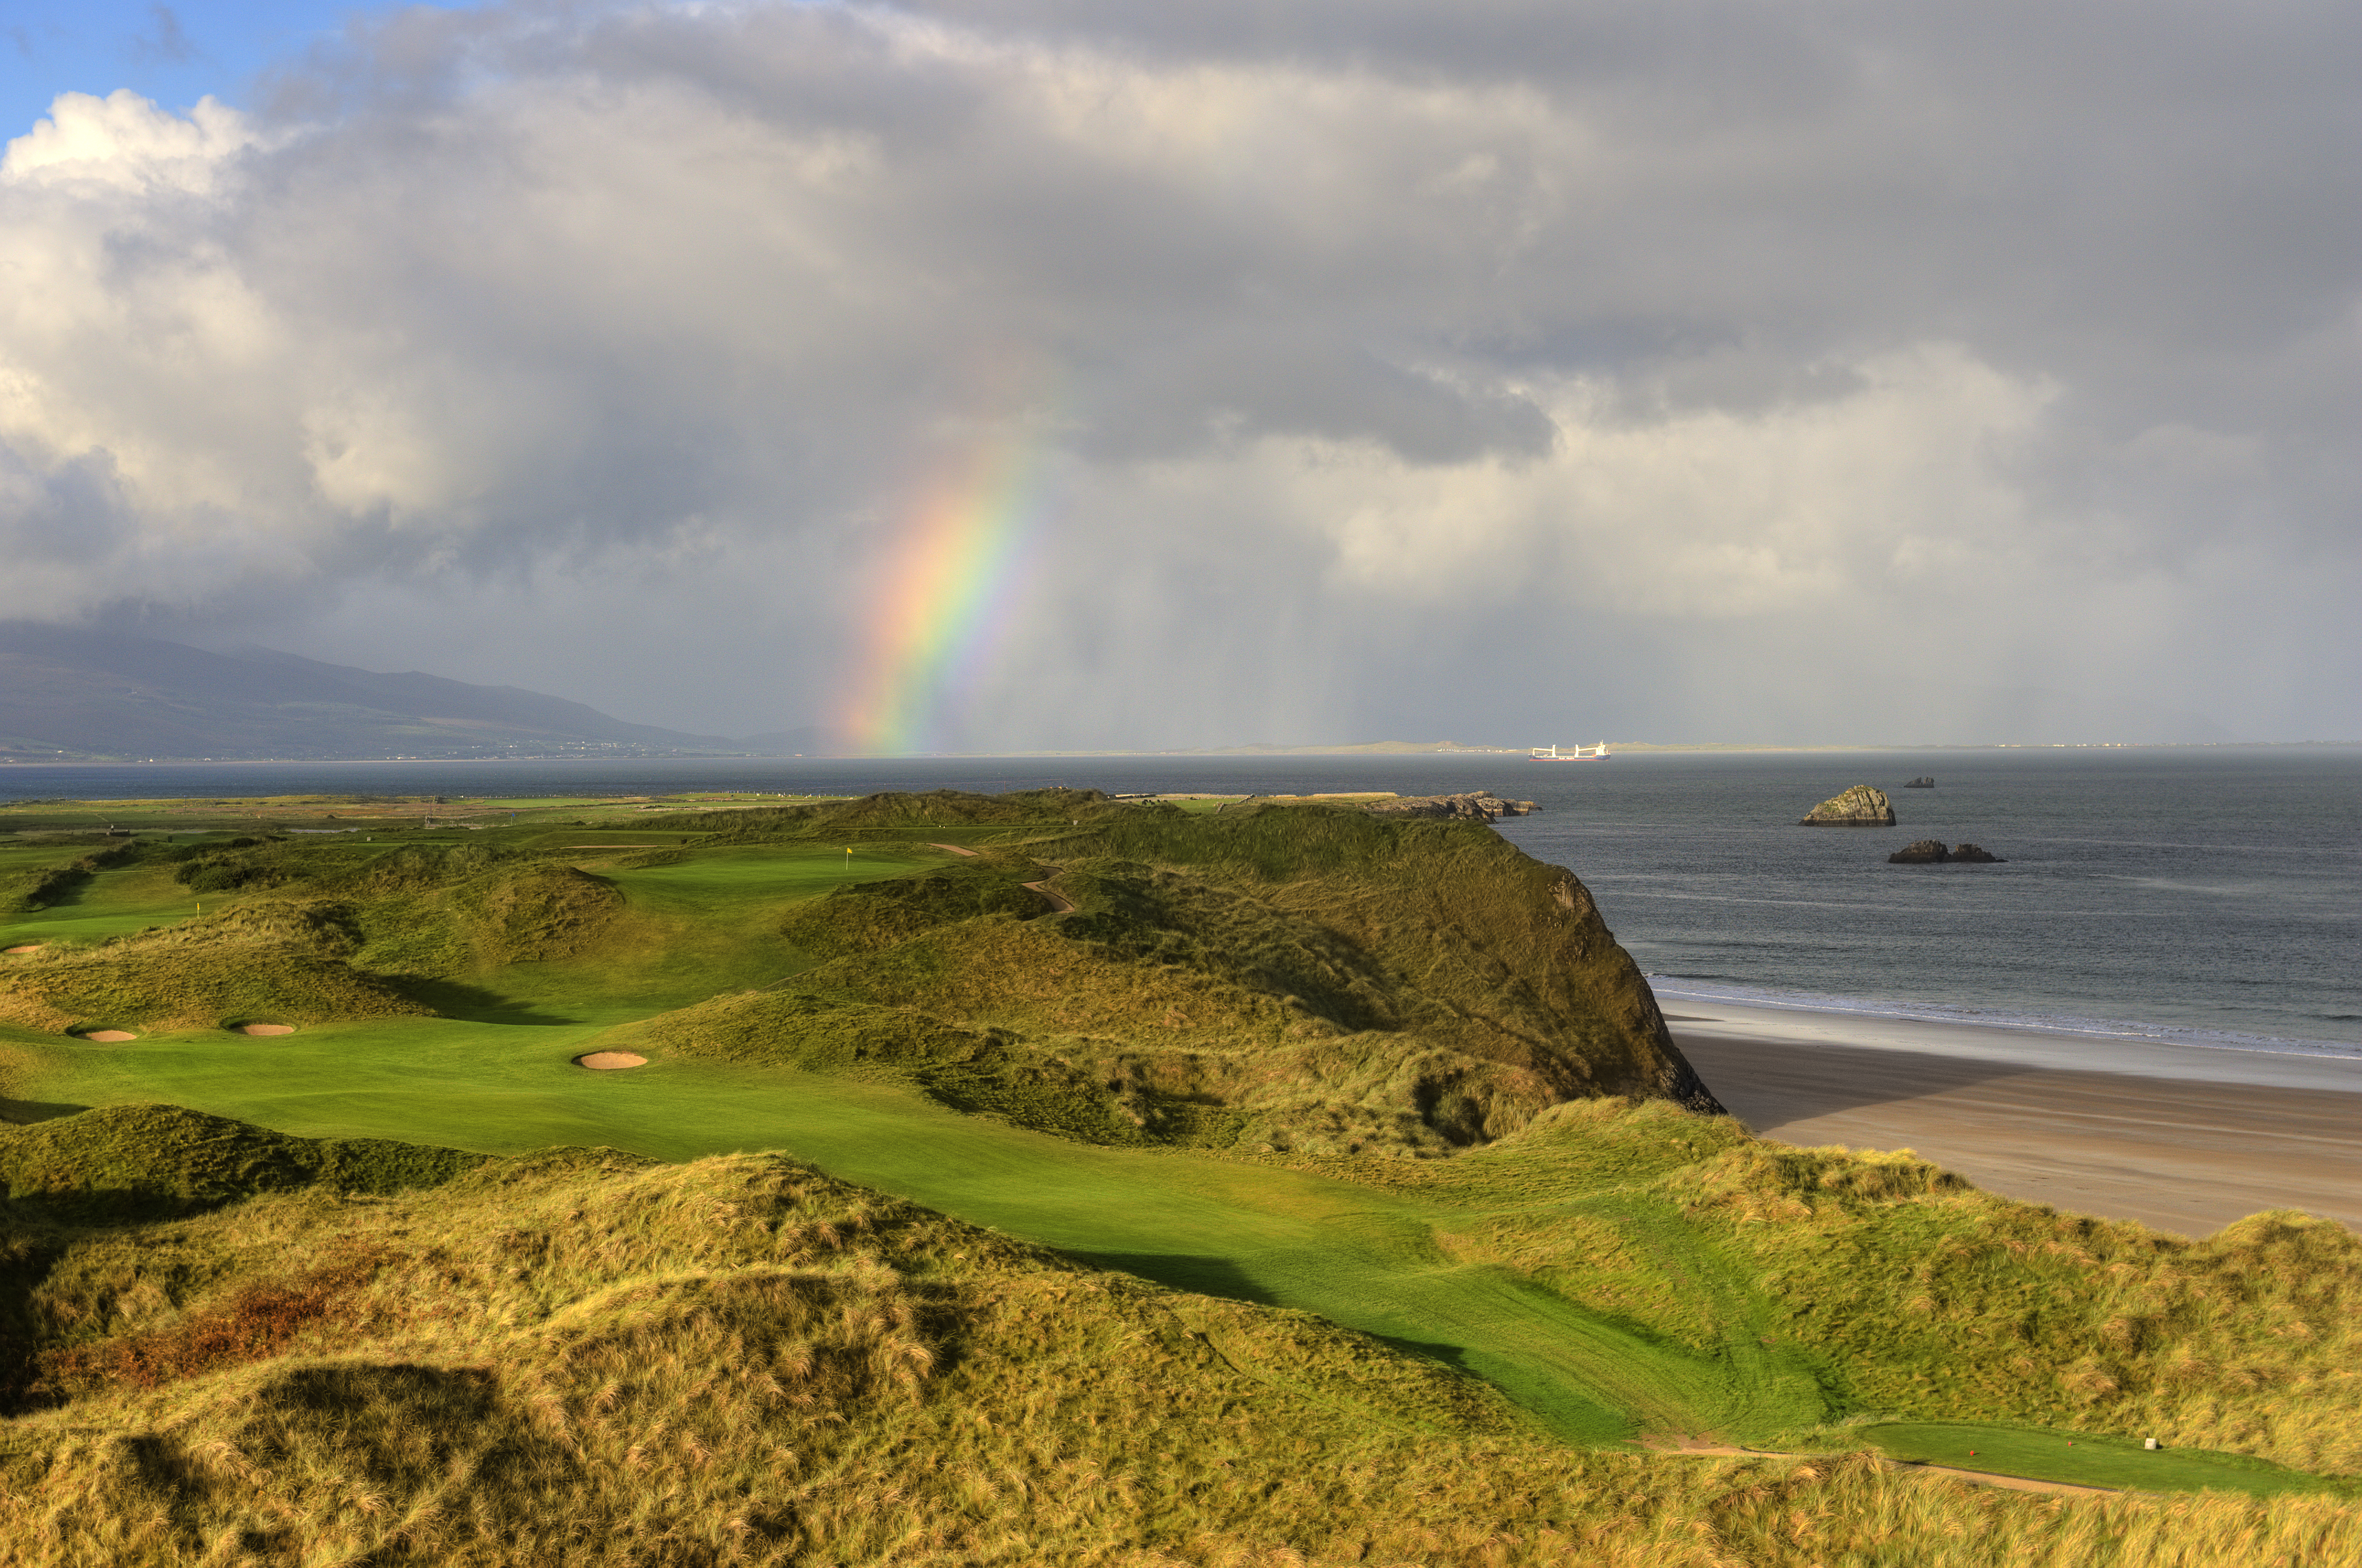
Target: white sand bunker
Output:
[
  {"x": 608, "y": 1061},
  {"x": 109, "y": 1036},
  {"x": 264, "y": 1029},
  {"x": 21, "y": 948}
]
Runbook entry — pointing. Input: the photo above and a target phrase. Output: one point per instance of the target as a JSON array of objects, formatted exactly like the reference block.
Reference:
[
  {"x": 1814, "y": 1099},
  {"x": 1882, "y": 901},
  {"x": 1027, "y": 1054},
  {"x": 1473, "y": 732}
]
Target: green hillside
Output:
[
  {"x": 582, "y": 1356},
  {"x": 1196, "y": 1187}
]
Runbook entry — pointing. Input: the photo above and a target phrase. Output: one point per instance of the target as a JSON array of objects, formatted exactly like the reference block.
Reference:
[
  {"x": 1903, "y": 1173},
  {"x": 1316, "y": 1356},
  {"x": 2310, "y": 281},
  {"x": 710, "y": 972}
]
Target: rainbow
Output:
[{"x": 949, "y": 590}]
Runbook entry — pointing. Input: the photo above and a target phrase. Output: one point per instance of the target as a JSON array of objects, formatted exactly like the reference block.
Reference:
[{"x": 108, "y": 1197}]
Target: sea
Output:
[{"x": 2203, "y": 897}]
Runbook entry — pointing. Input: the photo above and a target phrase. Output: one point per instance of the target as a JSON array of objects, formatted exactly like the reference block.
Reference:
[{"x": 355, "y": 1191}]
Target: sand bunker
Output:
[
  {"x": 608, "y": 1061},
  {"x": 23, "y": 947},
  {"x": 264, "y": 1029},
  {"x": 109, "y": 1036}
]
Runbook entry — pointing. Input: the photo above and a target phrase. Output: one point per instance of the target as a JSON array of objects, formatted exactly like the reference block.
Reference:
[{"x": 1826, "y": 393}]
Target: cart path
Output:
[{"x": 1697, "y": 1448}]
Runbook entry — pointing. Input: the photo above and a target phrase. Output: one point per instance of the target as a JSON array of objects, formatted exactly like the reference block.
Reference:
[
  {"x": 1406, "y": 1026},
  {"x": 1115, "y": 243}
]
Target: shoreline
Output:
[
  {"x": 2324, "y": 1066},
  {"x": 2183, "y": 1139}
]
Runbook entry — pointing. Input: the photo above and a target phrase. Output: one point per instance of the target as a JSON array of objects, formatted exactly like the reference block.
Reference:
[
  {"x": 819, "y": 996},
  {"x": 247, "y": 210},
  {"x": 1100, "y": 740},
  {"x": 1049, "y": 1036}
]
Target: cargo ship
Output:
[{"x": 1570, "y": 754}]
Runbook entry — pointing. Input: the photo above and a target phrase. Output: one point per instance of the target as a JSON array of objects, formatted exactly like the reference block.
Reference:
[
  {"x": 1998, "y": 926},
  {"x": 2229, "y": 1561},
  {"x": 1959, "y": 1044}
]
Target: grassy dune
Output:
[
  {"x": 1382, "y": 1098},
  {"x": 583, "y": 1357}
]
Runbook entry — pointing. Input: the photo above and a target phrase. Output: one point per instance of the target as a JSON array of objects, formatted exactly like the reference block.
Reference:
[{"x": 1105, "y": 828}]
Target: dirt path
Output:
[
  {"x": 1059, "y": 902},
  {"x": 1699, "y": 1448}
]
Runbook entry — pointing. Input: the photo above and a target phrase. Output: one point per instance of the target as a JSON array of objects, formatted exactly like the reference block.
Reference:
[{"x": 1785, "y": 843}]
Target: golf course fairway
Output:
[
  {"x": 1674, "y": 1330},
  {"x": 1259, "y": 1232}
]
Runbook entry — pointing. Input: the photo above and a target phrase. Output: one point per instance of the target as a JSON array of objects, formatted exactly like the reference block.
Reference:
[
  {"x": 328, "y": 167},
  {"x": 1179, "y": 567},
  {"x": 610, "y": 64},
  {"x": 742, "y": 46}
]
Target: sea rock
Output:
[
  {"x": 1931, "y": 851},
  {"x": 1924, "y": 782},
  {"x": 1861, "y": 806},
  {"x": 1476, "y": 806}
]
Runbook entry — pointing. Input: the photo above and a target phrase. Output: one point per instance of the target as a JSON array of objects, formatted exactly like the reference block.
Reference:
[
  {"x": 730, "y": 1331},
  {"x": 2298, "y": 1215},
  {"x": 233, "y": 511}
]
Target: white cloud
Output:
[
  {"x": 545, "y": 332},
  {"x": 125, "y": 142}
]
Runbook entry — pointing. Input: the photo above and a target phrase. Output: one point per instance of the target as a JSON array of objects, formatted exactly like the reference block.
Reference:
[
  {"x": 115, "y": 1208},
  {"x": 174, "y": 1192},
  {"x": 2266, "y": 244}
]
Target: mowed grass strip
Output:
[
  {"x": 2085, "y": 1460},
  {"x": 113, "y": 903},
  {"x": 1363, "y": 1258}
]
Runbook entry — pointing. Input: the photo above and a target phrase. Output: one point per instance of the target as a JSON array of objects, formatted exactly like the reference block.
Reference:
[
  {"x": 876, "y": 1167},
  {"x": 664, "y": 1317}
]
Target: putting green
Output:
[{"x": 113, "y": 903}]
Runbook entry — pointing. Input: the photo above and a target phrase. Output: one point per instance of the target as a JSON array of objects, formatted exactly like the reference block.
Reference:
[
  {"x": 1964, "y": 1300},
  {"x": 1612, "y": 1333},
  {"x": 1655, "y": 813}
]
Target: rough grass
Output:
[
  {"x": 1304, "y": 978},
  {"x": 938, "y": 808},
  {"x": 589, "y": 1360},
  {"x": 1307, "y": 978},
  {"x": 357, "y": 926},
  {"x": 281, "y": 965},
  {"x": 1308, "y": 982},
  {"x": 1926, "y": 1297},
  {"x": 142, "y": 1161}
]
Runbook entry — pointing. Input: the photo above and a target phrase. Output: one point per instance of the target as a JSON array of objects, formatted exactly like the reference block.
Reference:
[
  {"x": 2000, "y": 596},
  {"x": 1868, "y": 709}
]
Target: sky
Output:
[{"x": 1018, "y": 374}]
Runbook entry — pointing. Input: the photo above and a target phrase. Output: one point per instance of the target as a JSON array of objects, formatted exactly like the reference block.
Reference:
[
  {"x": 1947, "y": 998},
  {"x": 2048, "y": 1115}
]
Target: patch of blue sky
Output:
[{"x": 173, "y": 54}]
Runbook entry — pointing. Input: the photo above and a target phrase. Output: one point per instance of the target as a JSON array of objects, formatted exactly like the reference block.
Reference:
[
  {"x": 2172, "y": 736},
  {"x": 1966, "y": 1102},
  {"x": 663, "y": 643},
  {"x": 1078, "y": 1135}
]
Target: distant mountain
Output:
[{"x": 69, "y": 694}]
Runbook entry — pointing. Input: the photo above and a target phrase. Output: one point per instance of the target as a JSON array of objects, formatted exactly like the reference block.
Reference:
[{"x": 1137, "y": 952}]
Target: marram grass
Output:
[
  {"x": 1398, "y": 1070},
  {"x": 594, "y": 1360}
]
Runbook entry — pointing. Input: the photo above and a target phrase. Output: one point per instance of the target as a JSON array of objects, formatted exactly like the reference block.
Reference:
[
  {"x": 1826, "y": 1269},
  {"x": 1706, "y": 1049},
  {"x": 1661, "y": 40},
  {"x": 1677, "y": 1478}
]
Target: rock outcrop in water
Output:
[
  {"x": 1931, "y": 851},
  {"x": 1861, "y": 806}
]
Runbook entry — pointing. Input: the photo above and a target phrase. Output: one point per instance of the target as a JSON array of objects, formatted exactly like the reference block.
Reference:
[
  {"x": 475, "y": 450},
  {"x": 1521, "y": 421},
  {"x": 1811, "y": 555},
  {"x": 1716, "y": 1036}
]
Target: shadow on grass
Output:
[
  {"x": 25, "y": 1112},
  {"x": 1452, "y": 1357},
  {"x": 474, "y": 1004},
  {"x": 1184, "y": 1271}
]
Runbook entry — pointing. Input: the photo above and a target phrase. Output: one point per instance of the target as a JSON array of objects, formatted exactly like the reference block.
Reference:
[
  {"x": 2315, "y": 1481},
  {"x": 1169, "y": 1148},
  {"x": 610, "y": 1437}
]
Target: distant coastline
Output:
[{"x": 594, "y": 753}]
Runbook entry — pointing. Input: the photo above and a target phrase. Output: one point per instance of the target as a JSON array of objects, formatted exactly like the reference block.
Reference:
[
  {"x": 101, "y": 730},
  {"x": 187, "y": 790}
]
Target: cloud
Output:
[{"x": 1643, "y": 365}]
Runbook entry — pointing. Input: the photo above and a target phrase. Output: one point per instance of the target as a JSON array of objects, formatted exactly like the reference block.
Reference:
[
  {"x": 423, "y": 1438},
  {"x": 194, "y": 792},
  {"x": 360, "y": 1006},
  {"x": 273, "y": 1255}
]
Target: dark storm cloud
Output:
[{"x": 1637, "y": 357}]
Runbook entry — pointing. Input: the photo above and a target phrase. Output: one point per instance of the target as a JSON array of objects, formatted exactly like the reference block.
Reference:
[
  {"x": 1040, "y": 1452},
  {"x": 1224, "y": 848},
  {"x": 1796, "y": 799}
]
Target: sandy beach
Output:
[{"x": 2184, "y": 1139}]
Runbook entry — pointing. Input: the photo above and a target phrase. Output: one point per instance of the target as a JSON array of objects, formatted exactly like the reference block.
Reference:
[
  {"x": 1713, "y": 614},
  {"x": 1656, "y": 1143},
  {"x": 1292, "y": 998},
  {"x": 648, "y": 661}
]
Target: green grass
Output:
[
  {"x": 112, "y": 903},
  {"x": 1614, "y": 1268},
  {"x": 1369, "y": 1258},
  {"x": 583, "y": 1359},
  {"x": 2088, "y": 1460},
  {"x": 1256, "y": 1232}
]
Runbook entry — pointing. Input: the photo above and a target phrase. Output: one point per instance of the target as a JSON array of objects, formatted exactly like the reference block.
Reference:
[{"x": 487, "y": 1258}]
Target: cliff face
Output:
[
  {"x": 1480, "y": 805},
  {"x": 1311, "y": 977},
  {"x": 1861, "y": 806}
]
